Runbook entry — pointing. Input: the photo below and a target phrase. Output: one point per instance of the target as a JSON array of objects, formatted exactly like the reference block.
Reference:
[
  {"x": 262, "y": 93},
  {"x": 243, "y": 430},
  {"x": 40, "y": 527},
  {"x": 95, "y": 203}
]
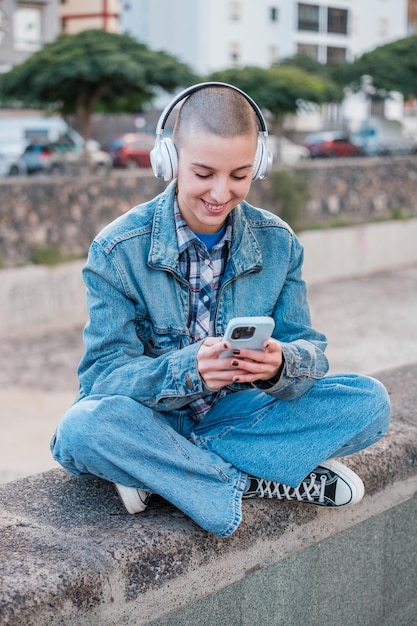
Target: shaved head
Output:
[{"x": 218, "y": 111}]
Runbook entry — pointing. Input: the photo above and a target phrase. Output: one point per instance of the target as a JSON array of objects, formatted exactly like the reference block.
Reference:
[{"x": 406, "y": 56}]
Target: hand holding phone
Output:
[{"x": 247, "y": 332}]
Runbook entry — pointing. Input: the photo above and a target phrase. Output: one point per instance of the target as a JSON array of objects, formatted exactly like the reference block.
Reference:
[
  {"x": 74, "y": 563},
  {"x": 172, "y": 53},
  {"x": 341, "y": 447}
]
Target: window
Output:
[
  {"x": 27, "y": 29},
  {"x": 235, "y": 52},
  {"x": 309, "y": 49},
  {"x": 335, "y": 55},
  {"x": 273, "y": 14},
  {"x": 383, "y": 26},
  {"x": 308, "y": 17},
  {"x": 273, "y": 55},
  {"x": 3, "y": 24},
  {"x": 337, "y": 21},
  {"x": 235, "y": 11}
]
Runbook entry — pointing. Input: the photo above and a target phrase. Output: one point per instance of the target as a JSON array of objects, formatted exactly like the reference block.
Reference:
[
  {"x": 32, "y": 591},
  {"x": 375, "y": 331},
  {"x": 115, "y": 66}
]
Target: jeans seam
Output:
[
  {"x": 237, "y": 507},
  {"x": 201, "y": 441}
]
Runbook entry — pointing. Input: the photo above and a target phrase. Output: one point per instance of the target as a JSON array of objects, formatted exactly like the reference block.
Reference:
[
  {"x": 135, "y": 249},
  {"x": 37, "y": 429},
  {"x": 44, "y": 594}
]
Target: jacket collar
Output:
[{"x": 163, "y": 251}]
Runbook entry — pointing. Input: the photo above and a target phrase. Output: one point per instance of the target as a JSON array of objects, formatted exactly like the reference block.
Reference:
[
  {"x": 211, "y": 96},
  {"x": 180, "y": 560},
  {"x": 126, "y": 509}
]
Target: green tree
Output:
[
  {"x": 76, "y": 74},
  {"x": 280, "y": 88},
  {"x": 393, "y": 67},
  {"x": 305, "y": 62}
]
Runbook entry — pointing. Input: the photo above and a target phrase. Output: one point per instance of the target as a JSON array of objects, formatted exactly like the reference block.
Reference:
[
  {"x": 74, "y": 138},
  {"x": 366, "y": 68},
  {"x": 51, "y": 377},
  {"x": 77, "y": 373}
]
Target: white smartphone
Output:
[{"x": 247, "y": 332}]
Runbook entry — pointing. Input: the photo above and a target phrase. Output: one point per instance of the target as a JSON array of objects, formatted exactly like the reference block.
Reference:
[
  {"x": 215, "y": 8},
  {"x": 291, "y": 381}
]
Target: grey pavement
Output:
[{"x": 370, "y": 323}]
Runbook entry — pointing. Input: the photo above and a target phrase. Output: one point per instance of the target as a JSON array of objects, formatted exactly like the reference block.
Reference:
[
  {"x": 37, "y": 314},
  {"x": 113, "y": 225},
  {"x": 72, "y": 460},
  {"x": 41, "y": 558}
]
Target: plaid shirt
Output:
[{"x": 192, "y": 255}]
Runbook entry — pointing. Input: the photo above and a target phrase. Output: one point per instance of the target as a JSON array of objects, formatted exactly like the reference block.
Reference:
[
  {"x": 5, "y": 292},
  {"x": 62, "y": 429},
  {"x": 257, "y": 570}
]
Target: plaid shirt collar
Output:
[{"x": 186, "y": 238}]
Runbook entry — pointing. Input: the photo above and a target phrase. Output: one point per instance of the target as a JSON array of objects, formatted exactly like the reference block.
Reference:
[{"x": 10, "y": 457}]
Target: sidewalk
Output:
[{"x": 370, "y": 323}]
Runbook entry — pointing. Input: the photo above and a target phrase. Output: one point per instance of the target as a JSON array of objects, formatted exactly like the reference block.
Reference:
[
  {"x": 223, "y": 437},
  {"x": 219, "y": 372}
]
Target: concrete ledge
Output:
[{"x": 71, "y": 556}]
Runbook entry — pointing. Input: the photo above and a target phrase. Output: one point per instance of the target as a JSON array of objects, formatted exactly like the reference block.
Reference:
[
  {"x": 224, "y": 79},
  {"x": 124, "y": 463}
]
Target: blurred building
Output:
[
  {"x": 412, "y": 16},
  {"x": 214, "y": 34},
  {"x": 78, "y": 15},
  {"x": 210, "y": 35},
  {"x": 25, "y": 26}
]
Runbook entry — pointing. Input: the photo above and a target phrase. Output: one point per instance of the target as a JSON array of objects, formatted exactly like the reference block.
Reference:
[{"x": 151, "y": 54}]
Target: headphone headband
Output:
[
  {"x": 164, "y": 157},
  {"x": 187, "y": 92}
]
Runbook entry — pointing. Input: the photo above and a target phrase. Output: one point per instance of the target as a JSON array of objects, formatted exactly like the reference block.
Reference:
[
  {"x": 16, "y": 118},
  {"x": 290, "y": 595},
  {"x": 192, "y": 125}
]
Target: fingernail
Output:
[
  {"x": 236, "y": 351},
  {"x": 235, "y": 363},
  {"x": 225, "y": 345}
]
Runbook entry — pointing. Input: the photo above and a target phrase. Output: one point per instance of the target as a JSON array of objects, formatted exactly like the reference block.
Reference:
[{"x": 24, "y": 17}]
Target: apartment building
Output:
[
  {"x": 214, "y": 34},
  {"x": 25, "y": 26},
  {"x": 412, "y": 16},
  {"x": 211, "y": 35},
  {"x": 78, "y": 15}
]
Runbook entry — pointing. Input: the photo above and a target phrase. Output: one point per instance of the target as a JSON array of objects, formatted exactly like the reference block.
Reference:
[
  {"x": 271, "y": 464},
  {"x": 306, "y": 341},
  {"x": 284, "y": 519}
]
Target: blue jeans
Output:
[{"x": 202, "y": 468}]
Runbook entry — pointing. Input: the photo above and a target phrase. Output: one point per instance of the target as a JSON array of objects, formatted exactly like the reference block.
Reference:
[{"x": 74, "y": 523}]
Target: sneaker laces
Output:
[{"x": 310, "y": 489}]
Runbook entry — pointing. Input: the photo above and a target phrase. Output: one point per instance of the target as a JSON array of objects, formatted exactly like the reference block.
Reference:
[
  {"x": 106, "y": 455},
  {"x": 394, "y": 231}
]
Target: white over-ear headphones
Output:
[{"x": 164, "y": 158}]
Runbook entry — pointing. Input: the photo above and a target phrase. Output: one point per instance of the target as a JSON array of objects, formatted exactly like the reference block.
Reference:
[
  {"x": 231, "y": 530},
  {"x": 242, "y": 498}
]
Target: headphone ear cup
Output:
[
  {"x": 164, "y": 159},
  {"x": 257, "y": 162},
  {"x": 263, "y": 161}
]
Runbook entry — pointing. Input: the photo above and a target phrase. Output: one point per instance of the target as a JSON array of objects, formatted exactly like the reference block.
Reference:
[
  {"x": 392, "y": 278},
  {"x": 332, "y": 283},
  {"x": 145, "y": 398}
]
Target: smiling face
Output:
[
  {"x": 216, "y": 136},
  {"x": 214, "y": 175}
]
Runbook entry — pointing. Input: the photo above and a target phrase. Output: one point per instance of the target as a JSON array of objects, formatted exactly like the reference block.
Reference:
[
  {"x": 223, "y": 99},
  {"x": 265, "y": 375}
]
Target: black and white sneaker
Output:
[
  {"x": 134, "y": 500},
  {"x": 330, "y": 484}
]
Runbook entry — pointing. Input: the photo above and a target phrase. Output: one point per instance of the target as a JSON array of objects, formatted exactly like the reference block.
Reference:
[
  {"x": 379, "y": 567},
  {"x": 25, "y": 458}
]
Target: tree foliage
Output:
[
  {"x": 76, "y": 73},
  {"x": 280, "y": 88},
  {"x": 393, "y": 67},
  {"x": 305, "y": 62}
]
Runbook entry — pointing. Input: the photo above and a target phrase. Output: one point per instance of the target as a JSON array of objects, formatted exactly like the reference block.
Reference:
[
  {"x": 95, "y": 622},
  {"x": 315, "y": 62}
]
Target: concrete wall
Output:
[
  {"x": 337, "y": 253},
  {"x": 365, "y": 575},
  {"x": 36, "y": 298},
  {"x": 67, "y": 212}
]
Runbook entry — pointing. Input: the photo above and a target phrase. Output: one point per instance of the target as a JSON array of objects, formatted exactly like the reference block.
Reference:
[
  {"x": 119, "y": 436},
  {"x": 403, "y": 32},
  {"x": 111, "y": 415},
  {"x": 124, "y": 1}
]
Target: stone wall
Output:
[
  {"x": 66, "y": 213},
  {"x": 342, "y": 191},
  {"x": 366, "y": 188}
]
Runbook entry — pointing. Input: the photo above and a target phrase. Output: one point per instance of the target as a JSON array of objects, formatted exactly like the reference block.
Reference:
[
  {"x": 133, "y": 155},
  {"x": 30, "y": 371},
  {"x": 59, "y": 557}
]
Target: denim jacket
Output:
[{"x": 137, "y": 341}]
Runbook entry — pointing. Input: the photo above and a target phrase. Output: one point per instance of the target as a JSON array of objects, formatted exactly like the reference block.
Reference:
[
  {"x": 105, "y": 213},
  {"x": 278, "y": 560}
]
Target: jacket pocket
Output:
[{"x": 158, "y": 340}]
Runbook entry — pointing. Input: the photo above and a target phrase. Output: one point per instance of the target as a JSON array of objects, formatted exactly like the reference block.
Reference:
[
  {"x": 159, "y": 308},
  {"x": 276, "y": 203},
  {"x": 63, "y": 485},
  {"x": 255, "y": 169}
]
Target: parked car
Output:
[
  {"x": 30, "y": 129},
  {"x": 286, "y": 151},
  {"x": 131, "y": 150},
  {"x": 331, "y": 144},
  {"x": 59, "y": 157},
  {"x": 379, "y": 136},
  {"x": 11, "y": 163},
  {"x": 70, "y": 152},
  {"x": 38, "y": 157}
]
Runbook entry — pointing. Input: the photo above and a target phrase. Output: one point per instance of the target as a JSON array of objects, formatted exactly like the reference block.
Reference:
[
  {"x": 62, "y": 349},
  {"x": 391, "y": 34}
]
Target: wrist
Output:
[{"x": 275, "y": 379}]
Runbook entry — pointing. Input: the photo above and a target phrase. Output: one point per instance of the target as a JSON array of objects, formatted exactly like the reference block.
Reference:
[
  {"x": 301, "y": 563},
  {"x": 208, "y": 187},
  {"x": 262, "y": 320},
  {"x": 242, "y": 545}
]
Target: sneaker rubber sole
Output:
[
  {"x": 134, "y": 500},
  {"x": 350, "y": 488}
]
